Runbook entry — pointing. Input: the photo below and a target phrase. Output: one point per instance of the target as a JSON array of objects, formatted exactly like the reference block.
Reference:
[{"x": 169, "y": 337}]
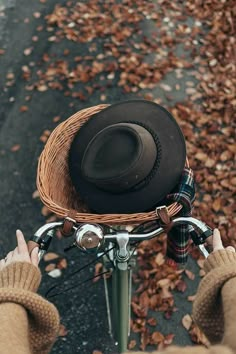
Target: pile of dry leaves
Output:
[{"x": 133, "y": 45}]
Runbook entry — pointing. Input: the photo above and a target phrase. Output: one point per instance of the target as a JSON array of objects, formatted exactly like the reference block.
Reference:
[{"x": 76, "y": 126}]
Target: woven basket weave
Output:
[{"x": 54, "y": 182}]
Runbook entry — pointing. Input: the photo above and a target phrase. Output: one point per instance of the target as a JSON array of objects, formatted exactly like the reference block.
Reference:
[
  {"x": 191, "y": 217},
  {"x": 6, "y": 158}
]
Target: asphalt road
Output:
[{"x": 82, "y": 310}]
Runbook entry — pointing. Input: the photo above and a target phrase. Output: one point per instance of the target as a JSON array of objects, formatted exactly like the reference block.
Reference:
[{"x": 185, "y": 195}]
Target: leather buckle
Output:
[{"x": 162, "y": 213}]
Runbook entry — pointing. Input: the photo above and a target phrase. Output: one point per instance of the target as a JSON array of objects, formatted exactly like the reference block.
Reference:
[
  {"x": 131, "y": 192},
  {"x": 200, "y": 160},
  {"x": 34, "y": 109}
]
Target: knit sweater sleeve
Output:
[
  {"x": 37, "y": 322},
  {"x": 214, "y": 309}
]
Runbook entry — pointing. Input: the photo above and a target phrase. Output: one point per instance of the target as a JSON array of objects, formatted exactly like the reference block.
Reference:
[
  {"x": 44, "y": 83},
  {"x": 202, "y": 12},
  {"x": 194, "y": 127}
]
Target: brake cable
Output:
[
  {"x": 75, "y": 286},
  {"x": 77, "y": 271}
]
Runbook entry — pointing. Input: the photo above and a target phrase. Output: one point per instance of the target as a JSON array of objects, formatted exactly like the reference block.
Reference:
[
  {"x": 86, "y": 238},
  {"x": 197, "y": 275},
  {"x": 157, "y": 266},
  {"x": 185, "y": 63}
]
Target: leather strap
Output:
[
  {"x": 162, "y": 213},
  {"x": 69, "y": 222}
]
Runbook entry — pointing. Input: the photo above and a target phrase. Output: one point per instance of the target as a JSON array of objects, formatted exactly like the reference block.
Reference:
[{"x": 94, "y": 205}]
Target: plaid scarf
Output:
[{"x": 178, "y": 236}]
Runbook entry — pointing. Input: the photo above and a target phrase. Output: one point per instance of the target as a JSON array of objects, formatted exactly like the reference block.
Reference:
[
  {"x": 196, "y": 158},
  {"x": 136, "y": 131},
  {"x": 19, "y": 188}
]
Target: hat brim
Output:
[{"x": 171, "y": 164}]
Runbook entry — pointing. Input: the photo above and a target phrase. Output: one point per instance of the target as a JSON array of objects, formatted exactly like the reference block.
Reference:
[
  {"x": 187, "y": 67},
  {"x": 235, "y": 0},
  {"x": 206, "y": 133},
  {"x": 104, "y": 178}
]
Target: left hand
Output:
[{"x": 20, "y": 253}]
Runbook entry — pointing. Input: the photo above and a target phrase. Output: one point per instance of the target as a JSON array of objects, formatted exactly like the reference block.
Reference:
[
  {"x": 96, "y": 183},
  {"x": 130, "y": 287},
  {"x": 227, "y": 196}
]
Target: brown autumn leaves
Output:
[{"x": 119, "y": 53}]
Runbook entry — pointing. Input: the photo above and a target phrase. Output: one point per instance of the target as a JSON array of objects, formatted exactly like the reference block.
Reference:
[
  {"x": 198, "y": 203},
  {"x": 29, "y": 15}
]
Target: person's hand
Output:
[
  {"x": 215, "y": 242},
  {"x": 20, "y": 253}
]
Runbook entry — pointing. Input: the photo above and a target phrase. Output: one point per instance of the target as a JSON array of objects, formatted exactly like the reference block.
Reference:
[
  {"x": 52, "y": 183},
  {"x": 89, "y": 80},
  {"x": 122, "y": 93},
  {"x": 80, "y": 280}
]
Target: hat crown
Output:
[
  {"x": 112, "y": 195},
  {"x": 119, "y": 157}
]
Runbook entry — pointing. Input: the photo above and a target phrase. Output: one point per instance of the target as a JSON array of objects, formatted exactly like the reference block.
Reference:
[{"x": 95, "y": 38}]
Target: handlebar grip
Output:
[
  {"x": 31, "y": 245},
  {"x": 199, "y": 239},
  {"x": 208, "y": 233}
]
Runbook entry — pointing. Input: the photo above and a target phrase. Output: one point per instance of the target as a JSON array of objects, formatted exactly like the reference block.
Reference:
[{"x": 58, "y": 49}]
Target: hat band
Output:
[{"x": 152, "y": 173}]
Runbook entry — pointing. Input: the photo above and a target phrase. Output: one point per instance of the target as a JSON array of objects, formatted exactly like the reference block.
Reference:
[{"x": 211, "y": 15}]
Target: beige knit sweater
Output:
[{"x": 29, "y": 323}]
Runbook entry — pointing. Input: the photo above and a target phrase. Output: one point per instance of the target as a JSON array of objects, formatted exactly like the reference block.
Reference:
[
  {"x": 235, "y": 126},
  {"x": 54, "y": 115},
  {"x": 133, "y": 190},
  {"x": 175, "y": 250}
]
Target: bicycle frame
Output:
[
  {"x": 91, "y": 237},
  {"x": 119, "y": 306}
]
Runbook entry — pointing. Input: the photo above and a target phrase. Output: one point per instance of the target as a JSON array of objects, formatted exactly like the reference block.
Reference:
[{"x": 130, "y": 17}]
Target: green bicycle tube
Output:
[{"x": 120, "y": 307}]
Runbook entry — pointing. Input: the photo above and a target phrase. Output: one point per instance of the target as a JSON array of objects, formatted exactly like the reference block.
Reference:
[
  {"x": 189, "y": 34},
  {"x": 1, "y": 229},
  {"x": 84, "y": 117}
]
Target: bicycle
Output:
[{"x": 116, "y": 248}]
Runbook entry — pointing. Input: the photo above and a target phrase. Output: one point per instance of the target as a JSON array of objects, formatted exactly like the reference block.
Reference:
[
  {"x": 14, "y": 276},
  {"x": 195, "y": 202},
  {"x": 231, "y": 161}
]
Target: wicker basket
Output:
[{"x": 55, "y": 186}]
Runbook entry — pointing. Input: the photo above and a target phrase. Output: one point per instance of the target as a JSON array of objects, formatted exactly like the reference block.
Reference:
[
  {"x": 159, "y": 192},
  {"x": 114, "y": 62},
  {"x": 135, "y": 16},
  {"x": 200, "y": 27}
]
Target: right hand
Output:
[{"x": 215, "y": 242}]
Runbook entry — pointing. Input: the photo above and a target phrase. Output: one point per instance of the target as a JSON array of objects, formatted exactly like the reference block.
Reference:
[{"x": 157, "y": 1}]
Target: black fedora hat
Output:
[{"x": 127, "y": 157}]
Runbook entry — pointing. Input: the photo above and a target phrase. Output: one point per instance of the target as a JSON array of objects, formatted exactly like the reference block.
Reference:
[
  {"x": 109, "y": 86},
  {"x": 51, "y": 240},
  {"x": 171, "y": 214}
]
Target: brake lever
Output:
[
  {"x": 43, "y": 237},
  {"x": 45, "y": 243},
  {"x": 199, "y": 240},
  {"x": 42, "y": 243}
]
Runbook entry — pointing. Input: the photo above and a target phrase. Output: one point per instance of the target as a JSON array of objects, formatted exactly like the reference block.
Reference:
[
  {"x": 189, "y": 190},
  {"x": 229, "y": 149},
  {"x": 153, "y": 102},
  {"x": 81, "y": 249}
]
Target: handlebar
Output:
[
  {"x": 91, "y": 236},
  {"x": 204, "y": 230}
]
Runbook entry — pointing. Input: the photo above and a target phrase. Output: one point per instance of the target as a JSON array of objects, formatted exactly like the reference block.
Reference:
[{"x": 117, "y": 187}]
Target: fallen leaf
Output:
[
  {"x": 198, "y": 336},
  {"x": 28, "y": 51},
  {"x": 37, "y": 14},
  {"x": 50, "y": 267},
  {"x": 165, "y": 287},
  {"x": 55, "y": 273},
  {"x": 42, "y": 88},
  {"x": 233, "y": 181},
  {"x": 47, "y": 132},
  {"x": 56, "y": 119},
  {"x": 191, "y": 298},
  {"x": 166, "y": 87},
  {"x": 15, "y": 147},
  {"x": 62, "y": 264},
  {"x": 152, "y": 321},
  {"x": 159, "y": 259},
  {"x": 98, "y": 270},
  {"x": 201, "y": 156},
  {"x": 210, "y": 162},
  {"x": 103, "y": 98},
  {"x": 144, "y": 341},
  {"x": 169, "y": 338},
  {"x": 43, "y": 138},
  {"x": 189, "y": 274},
  {"x": 187, "y": 321},
  {"x": 216, "y": 206},
  {"x": 50, "y": 256},
  {"x": 24, "y": 108},
  {"x": 157, "y": 337},
  {"x": 35, "y": 194},
  {"x": 144, "y": 299},
  {"x": 10, "y": 76},
  {"x": 132, "y": 344},
  {"x": 181, "y": 286}
]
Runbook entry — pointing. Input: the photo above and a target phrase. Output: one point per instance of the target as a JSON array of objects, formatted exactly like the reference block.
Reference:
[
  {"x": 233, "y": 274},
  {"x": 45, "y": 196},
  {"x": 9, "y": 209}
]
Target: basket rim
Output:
[{"x": 133, "y": 218}]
